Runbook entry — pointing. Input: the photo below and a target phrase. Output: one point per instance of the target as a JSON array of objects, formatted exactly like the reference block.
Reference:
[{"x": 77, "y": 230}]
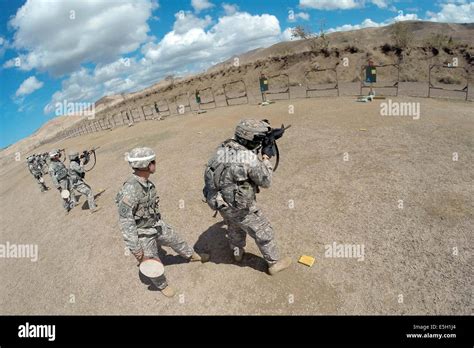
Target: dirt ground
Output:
[{"x": 418, "y": 259}]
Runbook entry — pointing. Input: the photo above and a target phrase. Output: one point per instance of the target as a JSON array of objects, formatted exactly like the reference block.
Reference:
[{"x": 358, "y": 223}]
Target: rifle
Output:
[
  {"x": 86, "y": 155},
  {"x": 269, "y": 142}
]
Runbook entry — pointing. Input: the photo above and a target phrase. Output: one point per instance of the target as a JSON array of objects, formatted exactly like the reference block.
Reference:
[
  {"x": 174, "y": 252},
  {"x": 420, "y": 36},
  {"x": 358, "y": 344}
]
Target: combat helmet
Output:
[
  {"x": 54, "y": 153},
  {"x": 250, "y": 133},
  {"x": 141, "y": 157},
  {"x": 73, "y": 155}
]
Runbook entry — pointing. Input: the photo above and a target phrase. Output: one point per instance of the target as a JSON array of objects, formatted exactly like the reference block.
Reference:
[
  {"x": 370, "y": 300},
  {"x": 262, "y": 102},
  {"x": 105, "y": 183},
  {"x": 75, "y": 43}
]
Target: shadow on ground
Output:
[{"x": 214, "y": 242}]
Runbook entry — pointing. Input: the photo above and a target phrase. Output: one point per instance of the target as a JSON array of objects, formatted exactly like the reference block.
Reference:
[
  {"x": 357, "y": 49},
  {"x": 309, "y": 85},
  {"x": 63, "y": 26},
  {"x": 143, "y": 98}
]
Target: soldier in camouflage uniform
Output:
[
  {"x": 42, "y": 161},
  {"x": 235, "y": 174},
  {"x": 76, "y": 178},
  {"x": 140, "y": 220},
  {"x": 59, "y": 176},
  {"x": 36, "y": 170}
]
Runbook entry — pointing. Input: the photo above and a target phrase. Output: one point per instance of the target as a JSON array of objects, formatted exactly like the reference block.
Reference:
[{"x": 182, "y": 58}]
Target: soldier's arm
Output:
[
  {"x": 260, "y": 172},
  {"x": 78, "y": 169},
  {"x": 127, "y": 223},
  {"x": 53, "y": 177}
]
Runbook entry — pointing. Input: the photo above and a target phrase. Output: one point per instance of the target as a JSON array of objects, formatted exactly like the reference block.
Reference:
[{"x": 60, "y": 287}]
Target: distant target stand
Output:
[
  {"x": 199, "y": 100},
  {"x": 370, "y": 79},
  {"x": 181, "y": 108},
  {"x": 228, "y": 85},
  {"x": 264, "y": 86},
  {"x": 464, "y": 90},
  {"x": 313, "y": 89}
]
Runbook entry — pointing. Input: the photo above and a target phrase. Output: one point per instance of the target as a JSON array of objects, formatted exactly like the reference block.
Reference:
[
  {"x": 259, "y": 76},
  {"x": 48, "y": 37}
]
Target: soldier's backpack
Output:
[{"x": 212, "y": 175}]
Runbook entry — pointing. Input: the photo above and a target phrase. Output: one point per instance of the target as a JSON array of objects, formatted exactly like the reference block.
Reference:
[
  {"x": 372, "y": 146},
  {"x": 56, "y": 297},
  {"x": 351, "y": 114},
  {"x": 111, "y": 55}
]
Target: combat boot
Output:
[
  {"x": 168, "y": 291},
  {"x": 279, "y": 266},
  {"x": 199, "y": 257}
]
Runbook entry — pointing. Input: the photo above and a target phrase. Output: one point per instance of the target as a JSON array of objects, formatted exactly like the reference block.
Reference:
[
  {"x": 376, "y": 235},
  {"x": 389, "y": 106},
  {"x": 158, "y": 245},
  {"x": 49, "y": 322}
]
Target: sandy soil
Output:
[{"x": 317, "y": 199}]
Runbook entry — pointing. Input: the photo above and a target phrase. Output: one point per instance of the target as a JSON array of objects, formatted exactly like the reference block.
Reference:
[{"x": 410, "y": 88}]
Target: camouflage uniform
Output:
[
  {"x": 239, "y": 179},
  {"x": 76, "y": 178},
  {"x": 141, "y": 224},
  {"x": 36, "y": 170},
  {"x": 59, "y": 176},
  {"x": 42, "y": 162}
]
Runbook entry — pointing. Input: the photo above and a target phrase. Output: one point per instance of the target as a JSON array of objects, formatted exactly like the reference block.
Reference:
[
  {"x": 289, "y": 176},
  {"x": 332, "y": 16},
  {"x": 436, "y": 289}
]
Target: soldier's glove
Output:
[
  {"x": 138, "y": 255},
  {"x": 268, "y": 149}
]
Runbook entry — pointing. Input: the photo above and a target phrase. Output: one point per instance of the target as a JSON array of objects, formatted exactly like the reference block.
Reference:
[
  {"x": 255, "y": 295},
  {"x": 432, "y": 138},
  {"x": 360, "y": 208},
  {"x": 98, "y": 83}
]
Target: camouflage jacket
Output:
[
  {"x": 76, "y": 173},
  {"x": 34, "y": 168},
  {"x": 242, "y": 174},
  {"x": 138, "y": 208},
  {"x": 58, "y": 172}
]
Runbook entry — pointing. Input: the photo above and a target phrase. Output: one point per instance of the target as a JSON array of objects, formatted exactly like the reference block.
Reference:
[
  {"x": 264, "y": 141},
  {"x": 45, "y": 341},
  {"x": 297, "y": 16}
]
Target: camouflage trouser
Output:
[
  {"x": 68, "y": 204},
  {"x": 165, "y": 236},
  {"x": 241, "y": 222},
  {"x": 41, "y": 184},
  {"x": 85, "y": 190}
]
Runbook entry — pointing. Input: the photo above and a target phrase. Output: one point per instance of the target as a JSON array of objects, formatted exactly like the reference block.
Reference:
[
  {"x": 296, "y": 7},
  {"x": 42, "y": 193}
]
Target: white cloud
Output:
[
  {"x": 200, "y": 5},
  {"x": 381, "y": 3},
  {"x": 453, "y": 13},
  {"x": 3, "y": 46},
  {"x": 299, "y": 15},
  {"x": 28, "y": 86},
  {"x": 330, "y": 4},
  {"x": 179, "y": 52},
  {"x": 230, "y": 35},
  {"x": 230, "y": 9},
  {"x": 342, "y": 4},
  {"x": 59, "y": 36},
  {"x": 402, "y": 17},
  {"x": 286, "y": 35},
  {"x": 185, "y": 21},
  {"x": 368, "y": 23}
]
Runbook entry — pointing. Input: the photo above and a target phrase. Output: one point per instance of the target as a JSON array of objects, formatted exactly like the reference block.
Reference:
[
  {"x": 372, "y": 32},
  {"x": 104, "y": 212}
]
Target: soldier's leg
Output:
[
  {"x": 168, "y": 237},
  {"x": 150, "y": 251},
  {"x": 236, "y": 237},
  {"x": 259, "y": 228},
  {"x": 86, "y": 190},
  {"x": 40, "y": 181},
  {"x": 66, "y": 202}
]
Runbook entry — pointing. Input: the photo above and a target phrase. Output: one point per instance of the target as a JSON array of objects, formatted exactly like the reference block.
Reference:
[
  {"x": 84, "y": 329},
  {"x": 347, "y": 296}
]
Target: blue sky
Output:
[{"x": 57, "y": 51}]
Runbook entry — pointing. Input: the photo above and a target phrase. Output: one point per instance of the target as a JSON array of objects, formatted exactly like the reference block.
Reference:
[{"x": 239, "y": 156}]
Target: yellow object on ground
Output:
[{"x": 306, "y": 260}]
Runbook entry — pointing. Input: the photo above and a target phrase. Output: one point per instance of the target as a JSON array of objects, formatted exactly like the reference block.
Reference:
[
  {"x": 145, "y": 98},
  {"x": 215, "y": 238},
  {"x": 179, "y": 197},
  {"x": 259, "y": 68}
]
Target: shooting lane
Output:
[
  {"x": 310, "y": 87},
  {"x": 182, "y": 102},
  {"x": 162, "y": 112},
  {"x": 274, "y": 85},
  {"x": 369, "y": 78},
  {"x": 450, "y": 68},
  {"x": 227, "y": 90},
  {"x": 206, "y": 94}
]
